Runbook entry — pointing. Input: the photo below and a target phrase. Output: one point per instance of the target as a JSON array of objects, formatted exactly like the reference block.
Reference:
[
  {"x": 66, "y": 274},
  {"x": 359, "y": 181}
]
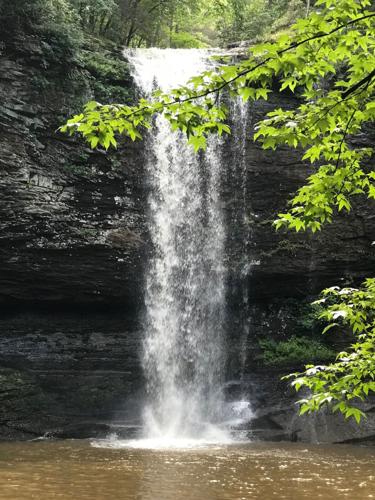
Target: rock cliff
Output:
[
  {"x": 72, "y": 219},
  {"x": 72, "y": 238}
]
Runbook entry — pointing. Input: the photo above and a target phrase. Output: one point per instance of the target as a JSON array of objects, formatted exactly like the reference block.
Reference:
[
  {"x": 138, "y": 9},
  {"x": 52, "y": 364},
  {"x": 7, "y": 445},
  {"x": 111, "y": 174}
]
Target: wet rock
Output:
[
  {"x": 277, "y": 264},
  {"x": 123, "y": 238},
  {"x": 65, "y": 369},
  {"x": 82, "y": 430},
  {"x": 276, "y": 415},
  {"x": 64, "y": 235}
]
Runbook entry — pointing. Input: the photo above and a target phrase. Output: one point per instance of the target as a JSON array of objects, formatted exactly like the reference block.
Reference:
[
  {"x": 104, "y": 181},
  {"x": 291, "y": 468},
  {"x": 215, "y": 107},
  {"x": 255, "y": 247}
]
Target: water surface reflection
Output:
[{"x": 76, "y": 470}]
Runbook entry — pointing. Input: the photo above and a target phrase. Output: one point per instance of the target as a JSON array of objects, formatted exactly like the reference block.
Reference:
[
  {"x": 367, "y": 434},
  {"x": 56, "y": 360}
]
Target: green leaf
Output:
[{"x": 198, "y": 142}]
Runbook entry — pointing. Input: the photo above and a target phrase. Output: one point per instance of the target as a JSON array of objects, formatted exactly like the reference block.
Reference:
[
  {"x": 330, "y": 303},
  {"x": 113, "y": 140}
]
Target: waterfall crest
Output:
[{"x": 183, "y": 356}]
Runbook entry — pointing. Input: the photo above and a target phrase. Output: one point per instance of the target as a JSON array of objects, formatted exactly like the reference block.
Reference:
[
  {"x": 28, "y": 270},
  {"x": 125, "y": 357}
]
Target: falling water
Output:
[
  {"x": 185, "y": 295},
  {"x": 240, "y": 116}
]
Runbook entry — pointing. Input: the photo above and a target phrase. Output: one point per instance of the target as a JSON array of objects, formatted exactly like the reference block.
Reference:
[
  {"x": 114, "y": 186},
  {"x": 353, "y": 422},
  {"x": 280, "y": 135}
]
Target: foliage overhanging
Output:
[{"x": 328, "y": 60}]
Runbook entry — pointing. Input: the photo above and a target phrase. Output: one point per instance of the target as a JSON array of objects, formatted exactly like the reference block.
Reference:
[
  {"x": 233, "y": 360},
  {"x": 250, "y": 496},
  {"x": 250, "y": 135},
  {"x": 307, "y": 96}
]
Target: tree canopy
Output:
[
  {"x": 327, "y": 59},
  {"x": 256, "y": 19},
  {"x": 160, "y": 23},
  {"x": 144, "y": 22}
]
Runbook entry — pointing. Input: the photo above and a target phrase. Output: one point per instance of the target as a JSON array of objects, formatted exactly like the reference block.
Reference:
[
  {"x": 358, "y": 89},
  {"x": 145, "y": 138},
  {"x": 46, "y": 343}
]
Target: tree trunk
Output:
[{"x": 307, "y": 7}]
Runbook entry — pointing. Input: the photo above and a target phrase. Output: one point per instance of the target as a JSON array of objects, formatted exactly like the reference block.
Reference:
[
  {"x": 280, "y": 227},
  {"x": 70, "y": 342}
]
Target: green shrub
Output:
[
  {"x": 110, "y": 76},
  {"x": 294, "y": 351},
  {"x": 105, "y": 67}
]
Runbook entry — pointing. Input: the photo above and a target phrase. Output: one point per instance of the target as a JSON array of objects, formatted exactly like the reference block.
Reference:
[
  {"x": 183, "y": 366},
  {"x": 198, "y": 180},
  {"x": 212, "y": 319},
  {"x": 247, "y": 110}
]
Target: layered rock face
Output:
[
  {"x": 72, "y": 219},
  {"x": 68, "y": 374},
  {"x": 272, "y": 271},
  {"x": 273, "y": 276},
  {"x": 72, "y": 238},
  {"x": 74, "y": 248},
  {"x": 258, "y": 186}
]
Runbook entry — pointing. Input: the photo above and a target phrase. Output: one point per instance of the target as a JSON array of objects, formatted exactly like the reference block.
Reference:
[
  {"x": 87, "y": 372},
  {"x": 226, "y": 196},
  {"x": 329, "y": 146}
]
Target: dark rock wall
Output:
[
  {"x": 73, "y": 250},
  {"x": 67, "y": 371},
  {"x": 273, "y": 276},
  {"x": 71, "y": 220},
  {"x": 273, "y": 265},
  {"x": 270, "y": 270},
  {"x": 72, "y": 254},
  {"x": 285, "y": 264}
]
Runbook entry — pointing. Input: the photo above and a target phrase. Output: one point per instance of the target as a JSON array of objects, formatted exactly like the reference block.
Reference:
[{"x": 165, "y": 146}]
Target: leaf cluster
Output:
[
  {"x": 329, "y": 62},
  {"x": 351, "y": 377}
]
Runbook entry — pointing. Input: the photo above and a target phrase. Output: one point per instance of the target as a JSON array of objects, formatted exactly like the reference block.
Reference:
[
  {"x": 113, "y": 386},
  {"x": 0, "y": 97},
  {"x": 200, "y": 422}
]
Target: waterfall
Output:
[
  {"x": 183, "y": 355},
  {"x": 239, "y": 113}
]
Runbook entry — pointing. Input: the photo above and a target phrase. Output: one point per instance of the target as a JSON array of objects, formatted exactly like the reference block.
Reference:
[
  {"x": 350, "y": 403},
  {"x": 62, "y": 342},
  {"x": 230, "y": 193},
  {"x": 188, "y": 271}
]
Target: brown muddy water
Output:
[{"x": 77, "y": 470}]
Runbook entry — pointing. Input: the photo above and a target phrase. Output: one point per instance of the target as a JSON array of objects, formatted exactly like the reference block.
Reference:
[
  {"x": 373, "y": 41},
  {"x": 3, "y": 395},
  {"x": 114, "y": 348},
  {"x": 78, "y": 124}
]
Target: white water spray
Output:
[{"x": 185, "y": 296}]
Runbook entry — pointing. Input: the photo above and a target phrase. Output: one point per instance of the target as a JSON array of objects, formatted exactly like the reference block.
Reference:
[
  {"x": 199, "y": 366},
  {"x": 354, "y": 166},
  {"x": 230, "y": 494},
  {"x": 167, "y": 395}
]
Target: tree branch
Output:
[
  {"x": 265, "y": 61},
  {"x": 343, "y": 138},
  {"x": 367, "y": 79}
]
